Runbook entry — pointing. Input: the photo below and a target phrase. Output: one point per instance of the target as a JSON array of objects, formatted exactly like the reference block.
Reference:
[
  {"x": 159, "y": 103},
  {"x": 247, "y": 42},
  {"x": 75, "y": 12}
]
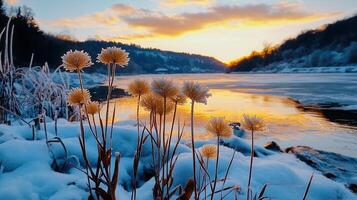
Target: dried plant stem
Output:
[
  {"x": 204, "y": 180},
  {"x": 216, "y": 170},
  {"x": 251, "y": 166},
  {"x": 164, "y": 180},
  {"x": 133, "y": 193},
  {"x": 45, "y": 125},
  {"x": 83, "y": 147},
  {"x": 227, "y": 171},
  {"x": 170, "y": 139},
  {"x": 114, "y": 111},
  {"x": 95, "y": 129},
  {"x": 111, "y": 76},
  {"x": 172, "y": 126},
  {"x": 193, "y": 151},
  {"x": 308, "y": 187}
]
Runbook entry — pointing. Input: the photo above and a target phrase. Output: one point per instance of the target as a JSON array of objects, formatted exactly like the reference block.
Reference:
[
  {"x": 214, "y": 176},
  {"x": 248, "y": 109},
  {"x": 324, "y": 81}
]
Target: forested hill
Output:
[
  {"x": 332, "y": 45},
  {"x": 29, "y": 38}
]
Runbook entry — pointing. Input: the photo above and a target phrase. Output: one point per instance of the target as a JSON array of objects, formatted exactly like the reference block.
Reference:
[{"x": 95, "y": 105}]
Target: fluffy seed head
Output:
[
  {"x": 138, "y": 87},
  {"x": 78, "y": 97},
  {"x": 219, "y": 127},
  {"x": 91, "y": 108},
  {"x": 76, "y": 60},
  {"x": 160, "y": 106},
  {"x": 113, "y": 55},
  {"x": 164, "y": 87},
  {"x": 155, "y": 103},
  {"x": 149, "y": 101},
  {"x": 196, "y": 92},
  {"x": 253, "y": 123},
  {"x": 209, "y": 151},
  {"x": 179, "y": 98}
]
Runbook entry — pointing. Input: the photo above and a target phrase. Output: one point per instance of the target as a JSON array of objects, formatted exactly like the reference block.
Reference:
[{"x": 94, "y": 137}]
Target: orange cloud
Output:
[
  {"x": 186, "y": 2},
  {"x": 126, "y": 37},
  {"x": 136, "y": 23},
  {"x": 107, "y": 17},
  {"x": 11, "y": 2},
  {"x": 249, "y": 14}
]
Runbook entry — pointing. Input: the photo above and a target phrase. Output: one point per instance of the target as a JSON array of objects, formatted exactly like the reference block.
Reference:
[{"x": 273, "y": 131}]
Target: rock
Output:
[
  {"x": 273, "y": 146},
  {"x": 332, "y": 165},
  {"x": 99, "y": 93},
  {"x": 330, "y": 175},
  {"x": 353, "y": 187}
]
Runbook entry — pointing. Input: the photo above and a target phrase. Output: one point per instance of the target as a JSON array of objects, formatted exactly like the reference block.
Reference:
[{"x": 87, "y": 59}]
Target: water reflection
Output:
[
  {"x": 280, "y": 113},
  {"x": 287, "y": 124}
]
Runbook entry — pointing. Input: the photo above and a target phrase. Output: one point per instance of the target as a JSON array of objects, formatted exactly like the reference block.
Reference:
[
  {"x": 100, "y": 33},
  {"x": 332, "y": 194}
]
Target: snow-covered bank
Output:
[
  {"x": 334, "y": 166},
  {"x": 288, "y": 68},
  {"x": 93, "y": 79},
  {"x": 27, "y": 167}
]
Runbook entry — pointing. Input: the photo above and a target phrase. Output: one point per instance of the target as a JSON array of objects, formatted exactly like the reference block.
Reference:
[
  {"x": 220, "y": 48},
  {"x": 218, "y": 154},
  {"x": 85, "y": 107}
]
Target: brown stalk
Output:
[
  {"x": 187, "y": 192},
  {"x": 216, "y": 169},
  {"x": 193, "y": 151},
  {"x": 164, "y": 146},
  {"x": 83, "y": 147},
  {"x": 251, "y": 165},
  {"x": 308, "y": 187},
  {"x": 227, "y": 171},
  {"x": 204, "y": 166}
]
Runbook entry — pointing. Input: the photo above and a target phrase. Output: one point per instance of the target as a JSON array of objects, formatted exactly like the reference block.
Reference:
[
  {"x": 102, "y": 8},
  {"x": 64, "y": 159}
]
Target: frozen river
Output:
[{"x": 273, "y": 97}]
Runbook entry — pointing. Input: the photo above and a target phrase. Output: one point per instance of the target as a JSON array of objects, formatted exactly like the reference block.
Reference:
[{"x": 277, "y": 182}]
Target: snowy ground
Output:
[
  {"x": 26, "y": 171},
  {"x": 93, "y": 79}
]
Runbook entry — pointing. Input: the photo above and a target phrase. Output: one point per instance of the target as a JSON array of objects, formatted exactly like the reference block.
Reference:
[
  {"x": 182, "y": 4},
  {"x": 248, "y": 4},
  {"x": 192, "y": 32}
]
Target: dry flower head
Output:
[
  {"x": 209, "y": 151},
  {"x": 153, "y": 102},
  {"x": 113, "y": 55},
  {"x": 219, "y": 127},
  {"x": 179, "y": 98},
  {"x": 253, "y": 123},
  {"x": 164, "y": 87},
  {"x": 91, "y": 108},
  {"x": 76, "y": 60},
  {"x": 138, "y": 87},
  {"x": 196, "y": 92},
  {"x": 77, "y": 96}
]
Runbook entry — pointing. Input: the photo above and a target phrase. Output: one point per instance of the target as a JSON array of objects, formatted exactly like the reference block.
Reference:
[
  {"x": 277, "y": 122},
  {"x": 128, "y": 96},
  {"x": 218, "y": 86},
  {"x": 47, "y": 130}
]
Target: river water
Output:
[{"x": 277, "y": 98}]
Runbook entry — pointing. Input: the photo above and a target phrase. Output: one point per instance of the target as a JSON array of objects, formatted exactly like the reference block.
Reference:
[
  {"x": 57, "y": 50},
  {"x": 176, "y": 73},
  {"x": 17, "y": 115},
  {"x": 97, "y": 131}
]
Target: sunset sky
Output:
[{"x": 225, "y": 29}]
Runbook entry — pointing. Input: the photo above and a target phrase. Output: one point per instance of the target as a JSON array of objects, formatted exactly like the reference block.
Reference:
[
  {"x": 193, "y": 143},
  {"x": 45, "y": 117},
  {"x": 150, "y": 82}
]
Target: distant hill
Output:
[
  {"x": 29, "y": 38},
  {"x": 314, "y": 50}
]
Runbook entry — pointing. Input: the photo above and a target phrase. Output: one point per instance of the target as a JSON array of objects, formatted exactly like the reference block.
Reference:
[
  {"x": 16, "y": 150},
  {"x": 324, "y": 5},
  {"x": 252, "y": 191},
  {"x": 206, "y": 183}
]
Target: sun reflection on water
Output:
[{"x": 281, "y": 115}]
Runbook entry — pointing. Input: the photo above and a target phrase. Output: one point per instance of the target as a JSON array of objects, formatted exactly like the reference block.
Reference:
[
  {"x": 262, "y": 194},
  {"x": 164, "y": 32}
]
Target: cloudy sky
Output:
[{"x": 225, "y": 29}]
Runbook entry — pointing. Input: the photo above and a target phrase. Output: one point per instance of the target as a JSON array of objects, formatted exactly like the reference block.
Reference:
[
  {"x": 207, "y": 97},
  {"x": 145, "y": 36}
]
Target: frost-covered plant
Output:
[
  {"x": 112, "y": 57},
  {"x": 162, "y": 158},
  {"x": 79, "y": 98},
  {"x": 196, "y": 93},
  {"x": 34, "y": 87},
  {"x": 137, "y": 88},
  {"x": 253, "y": 124},
  {"x": 39, "y": 92},
  {"x": 220, "y": 128},
  {"x": 8, "y": 73}
]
